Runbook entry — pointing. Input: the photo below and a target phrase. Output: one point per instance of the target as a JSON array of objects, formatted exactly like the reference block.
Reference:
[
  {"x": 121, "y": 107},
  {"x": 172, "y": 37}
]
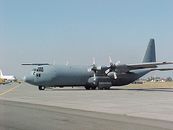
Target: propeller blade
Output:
[
  {"x": 53, "y": 62},
  {"x": 117, "y": 63},
  {"x": 94, "y": 77},
  {"x": 94, "y": 62},
  {"x": 110, "y": 61},
  {"x": 107, "y": 71},
  {"x": 67, "y": 63},
  {"x": 115, "y": 75}
]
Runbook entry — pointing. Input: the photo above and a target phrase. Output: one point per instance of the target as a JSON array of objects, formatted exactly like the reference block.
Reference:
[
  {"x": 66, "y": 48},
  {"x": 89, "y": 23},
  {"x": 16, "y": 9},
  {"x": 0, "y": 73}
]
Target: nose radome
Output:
[{"x": 28, "y": 79}]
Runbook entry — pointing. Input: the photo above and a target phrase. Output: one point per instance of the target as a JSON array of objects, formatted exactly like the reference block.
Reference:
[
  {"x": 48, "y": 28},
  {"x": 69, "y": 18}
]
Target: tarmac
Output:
[{"x": 120, "y": 108}]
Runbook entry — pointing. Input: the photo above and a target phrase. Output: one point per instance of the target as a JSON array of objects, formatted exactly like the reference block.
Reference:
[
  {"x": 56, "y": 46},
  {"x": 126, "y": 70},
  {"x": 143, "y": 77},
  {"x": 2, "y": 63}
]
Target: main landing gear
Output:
[
  {"x": 88, "y": 87},
  {"x": 97, "y": 87}
]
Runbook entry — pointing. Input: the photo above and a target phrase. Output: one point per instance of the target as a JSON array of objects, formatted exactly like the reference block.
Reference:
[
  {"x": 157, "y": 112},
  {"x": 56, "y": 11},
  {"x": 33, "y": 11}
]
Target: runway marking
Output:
[{"x": 9, "y": 90}]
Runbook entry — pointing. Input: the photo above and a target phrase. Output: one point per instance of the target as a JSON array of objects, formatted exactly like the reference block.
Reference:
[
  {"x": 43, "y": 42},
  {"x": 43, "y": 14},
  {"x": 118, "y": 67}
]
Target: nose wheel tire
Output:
[{"x": 41, "y": 87}]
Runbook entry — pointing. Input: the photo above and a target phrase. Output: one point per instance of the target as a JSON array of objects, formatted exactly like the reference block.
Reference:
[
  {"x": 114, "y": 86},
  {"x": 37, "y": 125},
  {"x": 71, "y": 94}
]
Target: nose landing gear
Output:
[{"x": 41, "y": 87}]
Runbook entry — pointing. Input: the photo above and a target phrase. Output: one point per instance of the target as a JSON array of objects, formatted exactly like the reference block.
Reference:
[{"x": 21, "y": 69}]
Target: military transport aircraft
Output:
[{"x": 94, "y": 77}]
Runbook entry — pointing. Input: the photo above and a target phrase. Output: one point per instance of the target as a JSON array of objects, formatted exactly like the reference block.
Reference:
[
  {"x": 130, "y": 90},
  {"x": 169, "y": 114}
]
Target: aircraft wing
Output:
[
  {"x": 124, "y": 68},
  {"x": 146, "y": 65}
]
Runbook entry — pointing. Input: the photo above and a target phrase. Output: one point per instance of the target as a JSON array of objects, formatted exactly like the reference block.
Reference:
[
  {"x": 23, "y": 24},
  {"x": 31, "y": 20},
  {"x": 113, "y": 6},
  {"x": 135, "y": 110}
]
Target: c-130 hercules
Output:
[{"x": 94, "y": 77}]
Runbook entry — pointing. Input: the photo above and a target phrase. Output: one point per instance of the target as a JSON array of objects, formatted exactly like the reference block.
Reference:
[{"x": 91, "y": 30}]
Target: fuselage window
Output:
[
  {"x": 39, "y": 69},
  {"x": 38, "y": 75}
]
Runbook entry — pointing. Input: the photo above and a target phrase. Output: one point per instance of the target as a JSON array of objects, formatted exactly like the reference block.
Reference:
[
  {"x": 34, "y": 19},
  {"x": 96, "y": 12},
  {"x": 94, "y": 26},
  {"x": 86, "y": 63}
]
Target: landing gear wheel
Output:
[
  {"x": 103, "y": 88},
  {"x": 93, "y": 87},
  {"x": 100, "y": 88},
  {"x": 41, "y": 87},
  {"x": 87, "y": 87},
  {"x": 107, "y": 88}
]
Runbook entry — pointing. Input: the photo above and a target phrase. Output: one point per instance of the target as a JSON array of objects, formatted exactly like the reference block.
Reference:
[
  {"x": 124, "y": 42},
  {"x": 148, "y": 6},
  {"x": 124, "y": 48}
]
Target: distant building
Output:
[{"x": 158, "y": 79}]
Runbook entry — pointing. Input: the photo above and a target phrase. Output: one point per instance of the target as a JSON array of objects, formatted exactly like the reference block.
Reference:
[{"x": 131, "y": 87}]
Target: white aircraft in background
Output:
[{"x": 6, "y": 78}]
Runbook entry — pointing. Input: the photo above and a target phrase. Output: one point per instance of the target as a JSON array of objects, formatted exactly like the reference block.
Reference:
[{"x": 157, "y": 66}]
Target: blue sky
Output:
[{"x": 60, "y": 30}]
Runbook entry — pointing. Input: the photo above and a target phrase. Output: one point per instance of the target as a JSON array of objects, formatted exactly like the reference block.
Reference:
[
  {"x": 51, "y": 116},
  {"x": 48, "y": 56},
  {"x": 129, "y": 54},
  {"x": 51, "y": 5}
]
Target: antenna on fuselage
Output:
[{"x": 67, "y": 63}]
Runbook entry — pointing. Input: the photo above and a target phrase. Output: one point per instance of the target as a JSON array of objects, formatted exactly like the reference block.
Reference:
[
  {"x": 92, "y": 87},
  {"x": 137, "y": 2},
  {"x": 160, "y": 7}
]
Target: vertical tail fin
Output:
[{"x": 150, "y": 54}]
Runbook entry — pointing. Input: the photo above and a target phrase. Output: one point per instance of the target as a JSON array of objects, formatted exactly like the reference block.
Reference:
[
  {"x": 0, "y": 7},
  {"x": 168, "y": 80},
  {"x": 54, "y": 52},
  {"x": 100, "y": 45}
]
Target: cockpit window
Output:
[{"x": 39, "y": 69}]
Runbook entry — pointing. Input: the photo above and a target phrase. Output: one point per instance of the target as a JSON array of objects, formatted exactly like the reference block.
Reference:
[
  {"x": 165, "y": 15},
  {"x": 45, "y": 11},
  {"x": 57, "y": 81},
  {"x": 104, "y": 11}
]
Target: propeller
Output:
[
  {"x": 95, "y": 68},
  {"x": 112, "y": 64},
  {"x": 94, "y": 77},
  {"x": 110, "y": 61},
  {"x": 111, "y": 71},
  {"x": 94, "y": 61}
]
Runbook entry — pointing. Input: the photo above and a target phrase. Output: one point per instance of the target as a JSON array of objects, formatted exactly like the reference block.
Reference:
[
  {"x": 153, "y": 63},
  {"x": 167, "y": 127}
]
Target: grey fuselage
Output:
[{"x": 62, "y": 75}]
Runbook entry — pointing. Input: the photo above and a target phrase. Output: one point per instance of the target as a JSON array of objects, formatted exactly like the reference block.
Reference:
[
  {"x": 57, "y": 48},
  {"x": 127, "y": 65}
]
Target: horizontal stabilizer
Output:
[
  {"x": 147, "y": 65},
  {"x": 163, "y": 69}
]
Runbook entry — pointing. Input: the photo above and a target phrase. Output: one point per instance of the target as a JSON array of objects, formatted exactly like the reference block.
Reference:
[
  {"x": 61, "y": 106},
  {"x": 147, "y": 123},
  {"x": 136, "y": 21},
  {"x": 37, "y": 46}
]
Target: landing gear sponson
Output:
[
  {"x": 100, "y": 86},
  {"x": 87, "y": 87},
  {"x": 94, "y": 88}
]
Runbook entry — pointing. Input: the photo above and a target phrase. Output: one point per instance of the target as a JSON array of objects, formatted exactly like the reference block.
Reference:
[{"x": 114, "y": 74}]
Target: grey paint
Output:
[
  {"x": 55, "y": 75},
  {"x": 150, "y": 55},
  {"x": 62, "y": 75}
]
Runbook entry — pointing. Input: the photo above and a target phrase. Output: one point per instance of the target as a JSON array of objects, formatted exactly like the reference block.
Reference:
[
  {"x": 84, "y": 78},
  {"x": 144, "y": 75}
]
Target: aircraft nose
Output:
[
  {"x": 28, "y": 79},
  {"x": 24, "y": 78}
]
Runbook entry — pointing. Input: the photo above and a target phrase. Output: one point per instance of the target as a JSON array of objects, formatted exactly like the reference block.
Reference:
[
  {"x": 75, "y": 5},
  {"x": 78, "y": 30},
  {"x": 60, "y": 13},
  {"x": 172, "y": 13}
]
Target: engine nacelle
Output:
[
  {"x": 122, "y": 69},
  {"x": 112, "y": 75}
]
